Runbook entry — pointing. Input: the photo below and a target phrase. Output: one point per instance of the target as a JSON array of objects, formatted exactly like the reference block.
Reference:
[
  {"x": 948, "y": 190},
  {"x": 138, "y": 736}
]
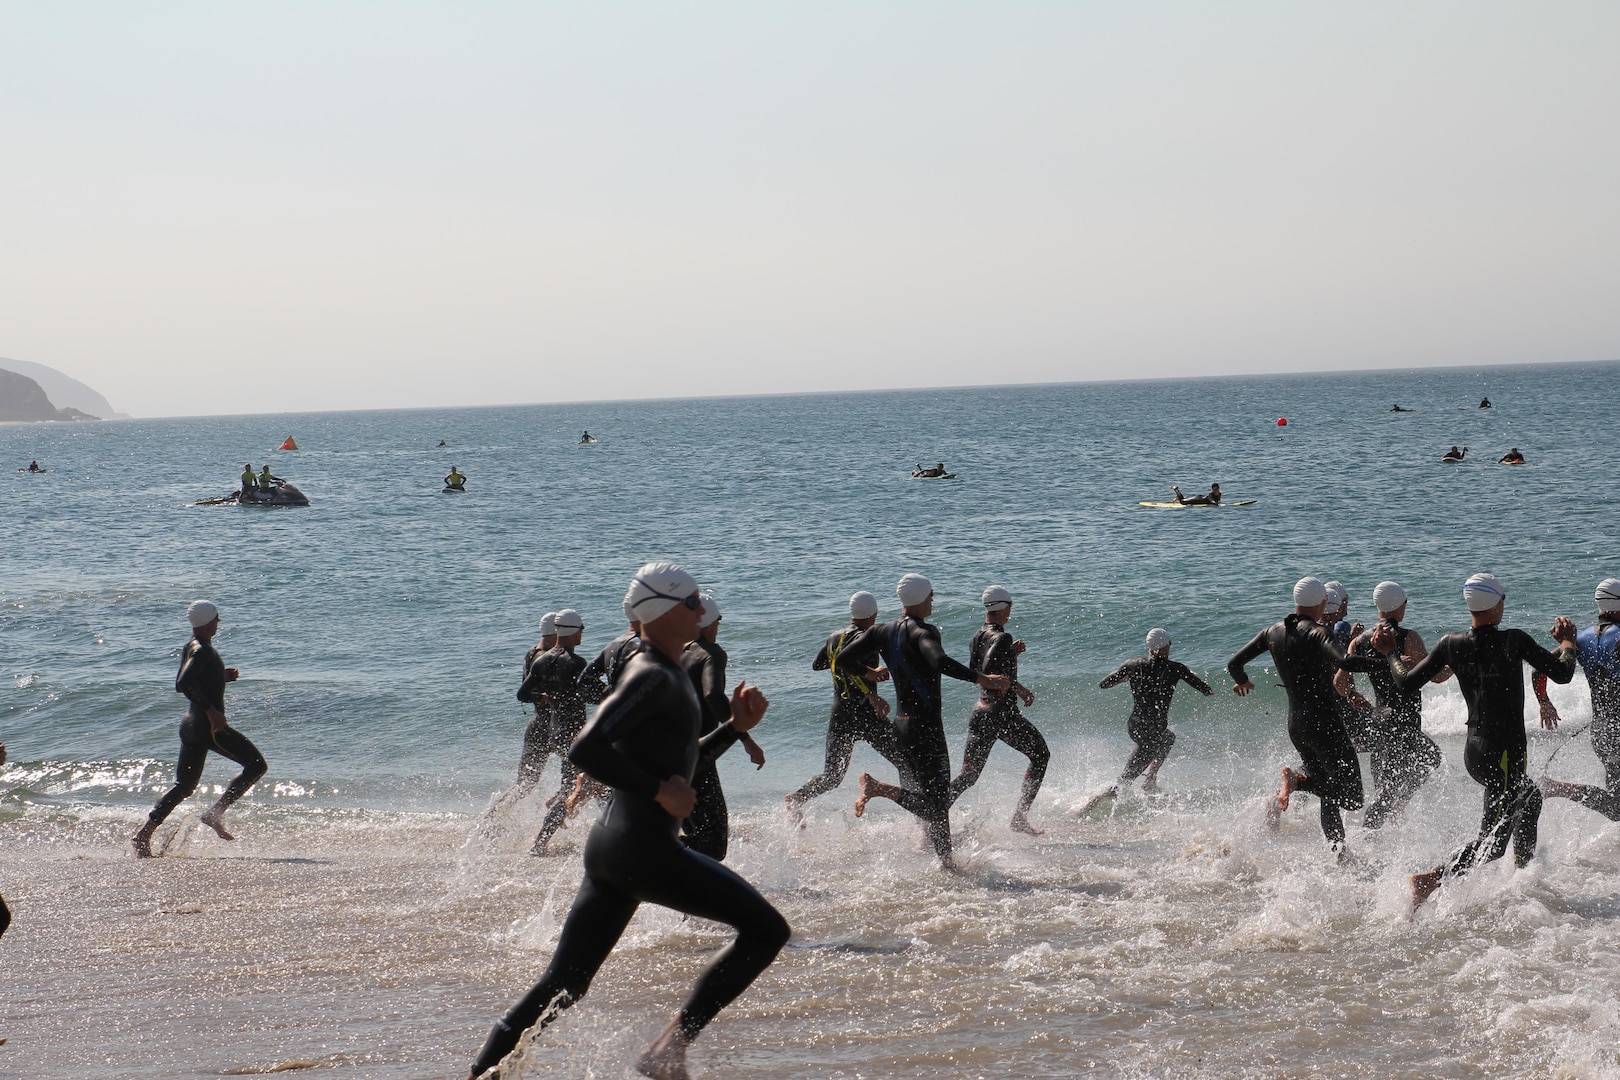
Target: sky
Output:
[{"x": 259, "y": 207}]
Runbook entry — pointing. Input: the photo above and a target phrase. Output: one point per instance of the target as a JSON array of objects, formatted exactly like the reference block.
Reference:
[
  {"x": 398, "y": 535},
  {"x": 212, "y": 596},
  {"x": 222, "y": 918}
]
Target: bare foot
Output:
[
  {"x": 1020, "y": 823},
  {"x": 1287, "y": 789},
  {"x": 867, "y": 792},
  {"x": 1423, "y": 887},
  {"x": 665, "y": 1059},
  {"x": 1091, "y": 804},
  {"x": 214, "y": 819},
  {"x": 142, "y": 843}
]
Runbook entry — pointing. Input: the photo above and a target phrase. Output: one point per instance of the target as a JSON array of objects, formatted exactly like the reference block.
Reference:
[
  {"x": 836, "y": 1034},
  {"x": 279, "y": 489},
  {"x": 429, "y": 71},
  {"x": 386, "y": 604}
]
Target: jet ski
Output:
[{"x": 282, "y": 494}]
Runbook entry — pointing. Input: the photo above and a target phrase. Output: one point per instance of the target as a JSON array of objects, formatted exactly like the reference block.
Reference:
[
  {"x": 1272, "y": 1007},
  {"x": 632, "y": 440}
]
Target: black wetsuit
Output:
[
  {"x": 556, "y": 674},
  {"x": 602, "y": 673},
  {"x": 5, "y": 916},
  {"x": 911, "y": 648},
  {"x": 853, "y": 719},
  {"x": 645, "y": 732},
  {"x": 202, "y": 680},
  {"x": 708, "y": 830},
  {"x": 1402, "y": 756},
  {"x": 538, "y": 743},
  {"x": 1306, "y": 658},
  {"x": 1600, "y": 659},
  {"x": 996, "y": 716},
  {"x": 1153, "y": 682},
  {"x": 1489, "y": 665}
]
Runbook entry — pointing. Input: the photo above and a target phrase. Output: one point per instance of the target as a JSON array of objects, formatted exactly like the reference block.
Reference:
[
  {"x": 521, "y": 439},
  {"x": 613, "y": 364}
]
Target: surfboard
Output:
[{"x": 1195, "y": 506}]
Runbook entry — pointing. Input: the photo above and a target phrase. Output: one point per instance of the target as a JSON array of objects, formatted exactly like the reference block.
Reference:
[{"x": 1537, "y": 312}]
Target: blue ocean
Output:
[{"x": 380, "y": 908}]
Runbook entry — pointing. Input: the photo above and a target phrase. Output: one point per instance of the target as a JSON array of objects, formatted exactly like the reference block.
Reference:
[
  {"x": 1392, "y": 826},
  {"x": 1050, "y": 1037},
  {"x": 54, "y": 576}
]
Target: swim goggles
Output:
[{"x": 691, "y": 602}]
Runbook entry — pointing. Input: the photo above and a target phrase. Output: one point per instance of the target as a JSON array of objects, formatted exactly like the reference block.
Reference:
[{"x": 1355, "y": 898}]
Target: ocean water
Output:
[{"x": 378, "y": 910}]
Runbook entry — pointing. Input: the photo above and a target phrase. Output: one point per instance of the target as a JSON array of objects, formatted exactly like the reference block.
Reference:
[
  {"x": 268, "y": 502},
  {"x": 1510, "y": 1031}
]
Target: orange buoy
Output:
[
  {"x": 1282, "y": 421},
  {"x": 288, "y": 445}
]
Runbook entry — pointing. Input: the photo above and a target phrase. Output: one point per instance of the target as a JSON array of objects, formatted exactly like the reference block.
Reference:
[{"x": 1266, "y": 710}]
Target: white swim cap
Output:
[
  {"x": 1308, "y": 592},
  {"x": 1388, "y": 596},
  {"x": 1483, "y": 592},
  {"x": 863, "y": 605},
  {"x": 567, "y": 621},
  {"x": 1608, "y": 595},
  {"x": 913, "y": 589},
  {"x": 201, "y": 613},
  {"x": 1336, "y": 594},
  {"x": 996, "y": 597},
  {"x": 1158, "y": 638},
  {"x": 656, "y": 588},
  {"x": 548, "y": 624},
  {"x": 711, "y": 611},
  {"x": 629, "y": 612}
]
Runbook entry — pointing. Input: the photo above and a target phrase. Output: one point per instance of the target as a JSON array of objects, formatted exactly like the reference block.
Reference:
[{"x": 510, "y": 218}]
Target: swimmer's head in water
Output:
[
  {"x": 1482, "y": 592},
  {"x": 1388, "y": 596},
  {"x": 1309, "y": 592},
  {"x": 1158, "y": 638},
  {"x": 658, "y": 587},
  {"x": 913, "y": 589},
  {"x": 863, "y": 605},
  {"x": 1608, "y": 595},
  {"x": 200, "y": 613}
]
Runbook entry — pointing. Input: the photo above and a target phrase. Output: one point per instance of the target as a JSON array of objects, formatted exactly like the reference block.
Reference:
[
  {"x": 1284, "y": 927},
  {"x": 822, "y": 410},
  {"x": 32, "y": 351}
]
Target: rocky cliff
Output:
[{"x": 21, "y": 398}]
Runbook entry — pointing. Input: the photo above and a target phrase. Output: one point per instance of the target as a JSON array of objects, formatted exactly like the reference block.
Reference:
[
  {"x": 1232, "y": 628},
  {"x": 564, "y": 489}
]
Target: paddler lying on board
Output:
[
  {"x": 1212, "y": 499},
  {"x": 928, "y": 474},
  {"x": 1512, "y": 457}
]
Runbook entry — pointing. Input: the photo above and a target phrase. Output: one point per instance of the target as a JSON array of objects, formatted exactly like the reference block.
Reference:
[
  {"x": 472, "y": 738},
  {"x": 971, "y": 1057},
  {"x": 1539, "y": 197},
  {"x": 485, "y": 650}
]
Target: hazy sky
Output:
[{"x": 234, "y": 207}]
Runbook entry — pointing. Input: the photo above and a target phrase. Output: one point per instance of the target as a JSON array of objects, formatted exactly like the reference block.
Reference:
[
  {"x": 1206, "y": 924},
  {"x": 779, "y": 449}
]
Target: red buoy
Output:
[{"x": 1282, "y": 421}]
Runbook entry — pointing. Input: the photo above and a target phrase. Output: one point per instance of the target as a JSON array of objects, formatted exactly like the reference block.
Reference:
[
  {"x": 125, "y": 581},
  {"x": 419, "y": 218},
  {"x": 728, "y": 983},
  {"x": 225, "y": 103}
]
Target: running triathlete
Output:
[
  {"x": 5, "y": 912},
  {"x": 1402, "y": 756},
  {"x": 643, "y": 742},
  {"x": 202, "y": 678},
  {"x": 1599, "y": 651},
  {"x": 993, "y": 651},
  {"x": 1306, "y": 658},
  {"x": 858, "y": 713},
  {"x": 538, "y": 744},
  {"x": 1489, "y": 664},
  {"x": 554, "y": 679},
  {"x": 911, "y": 648},
  {"x": 1211, "y": 499},
  {"x": 1153, "y": 680},
  {"x": 708, "y": 829}
]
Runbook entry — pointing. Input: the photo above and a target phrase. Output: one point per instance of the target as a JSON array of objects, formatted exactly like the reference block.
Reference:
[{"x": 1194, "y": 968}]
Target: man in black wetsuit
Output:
[
  {"x": 5, "y": 912},
  {"x": 554, "y": 679},
  {"x": 858, "y": 713},
  {"x": 600, "y": 676},
  {"x": 708, "y": 830},
  {"x": 1402, "y": 756},
  {"x": 643, "y": 742},
  {"x": 1599, "y": 653},
  {"x": 1212, "y": 499},
  {"x": 1306, "y": 659},
  {"x": 537, "y": 741},
  {"x": 916, "y": 660},
  {"x": 202, "y": 678},
  {"x": 1153, "y": 680},
  {"x": 993, "y": 651},
  {"x": 1489, "y": 664}
]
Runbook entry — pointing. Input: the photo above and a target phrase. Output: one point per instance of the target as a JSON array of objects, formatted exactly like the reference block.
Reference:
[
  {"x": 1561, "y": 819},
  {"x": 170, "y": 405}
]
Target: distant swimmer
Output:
[
  {"x": 1489, "y": 664},
  {"x": 1484, "y": 403},
  {"x": 1397, "y": 408},
  {"x": 455, "y": 480},
  {"x": 916, "y": 660},
  {"x": 1512, "y": 457},
  {"x": 933, "y": 472},
  {"x": 993, "y": 651},
  {"x": 33, "y": 466},
  {"x": 858, "y": 713},
  {"x": 707, "y": 830},
  {"x": 587, "y": 438},
  {"x": 1153, "y": 680},
  {"x": 442, "y": 442},
  {"x": 1403, "y": 757},
  {"x": 1599, "y": 654},
  {"x": 643, "y": 742},
  {"x": 1454, "y": 454},
  {"x": 554, "y": 679},
  {"x": 202, "y": 678},
  {"x": 1306, "y": 658},
  {"x": 1211, "y": 499}
]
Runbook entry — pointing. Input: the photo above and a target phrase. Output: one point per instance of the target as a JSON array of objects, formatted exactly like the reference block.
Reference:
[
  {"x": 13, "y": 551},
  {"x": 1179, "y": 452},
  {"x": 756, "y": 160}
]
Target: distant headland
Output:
[{"x": 30, "y": 391}]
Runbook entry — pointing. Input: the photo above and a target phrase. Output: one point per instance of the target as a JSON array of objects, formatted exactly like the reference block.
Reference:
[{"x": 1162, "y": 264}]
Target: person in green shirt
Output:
[
  {"x": 267, "y": 483},
  {"x": 455, "y": 479},
  {"x": 248, "y": 482}
]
